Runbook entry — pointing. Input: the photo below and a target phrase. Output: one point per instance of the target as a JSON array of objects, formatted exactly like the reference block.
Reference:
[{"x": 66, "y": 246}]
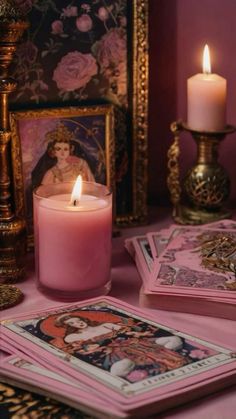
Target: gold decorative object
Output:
[
  {"x": 138, "y": 112},
  {"x": 12, "y": 228},
  {"x": 218, "y": 253},
  {"x": 206, "y": 186},
  {"x": 9, "y": 296}
]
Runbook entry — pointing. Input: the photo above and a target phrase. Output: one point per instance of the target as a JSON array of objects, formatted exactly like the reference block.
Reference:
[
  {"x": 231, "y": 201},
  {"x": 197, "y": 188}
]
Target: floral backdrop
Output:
[{"x": 75, "y": 53}]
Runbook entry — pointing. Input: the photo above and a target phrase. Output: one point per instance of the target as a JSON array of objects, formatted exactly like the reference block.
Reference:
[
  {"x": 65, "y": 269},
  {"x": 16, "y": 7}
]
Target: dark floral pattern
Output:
[
  {"x": 24, "y": 5},
  {"x": 64, "y": 35}
]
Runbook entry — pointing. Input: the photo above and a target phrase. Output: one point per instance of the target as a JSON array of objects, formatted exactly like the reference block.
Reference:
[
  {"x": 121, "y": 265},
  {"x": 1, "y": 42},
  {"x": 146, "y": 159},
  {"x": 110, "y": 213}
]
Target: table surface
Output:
[{"x": 125, "y": 286}]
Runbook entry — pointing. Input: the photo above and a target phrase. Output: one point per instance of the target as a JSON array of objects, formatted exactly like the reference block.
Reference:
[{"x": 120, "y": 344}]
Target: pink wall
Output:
[{"x": 178, "y": 32}]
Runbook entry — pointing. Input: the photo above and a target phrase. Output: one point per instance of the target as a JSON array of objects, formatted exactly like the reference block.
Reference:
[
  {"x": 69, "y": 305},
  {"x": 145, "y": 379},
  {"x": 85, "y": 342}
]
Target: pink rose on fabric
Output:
[
  {"x": 74, "y": 71},
  {"x": 24, "y": 5},
  {"x": 57, "y": 27},
  {"x": 84, "y": 23},
  {"x": 111, "y": 49},
  {"x": 70, "y": 11},
  {"x": 137, "y": 375},
  {"x": 198, "y": 354},
  {"x": 103, "y": 14}
]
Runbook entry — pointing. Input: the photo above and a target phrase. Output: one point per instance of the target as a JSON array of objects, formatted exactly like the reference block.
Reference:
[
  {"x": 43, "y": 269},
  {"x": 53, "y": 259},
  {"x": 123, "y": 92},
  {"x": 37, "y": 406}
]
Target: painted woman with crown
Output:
[{"x": 60, "y": 163}]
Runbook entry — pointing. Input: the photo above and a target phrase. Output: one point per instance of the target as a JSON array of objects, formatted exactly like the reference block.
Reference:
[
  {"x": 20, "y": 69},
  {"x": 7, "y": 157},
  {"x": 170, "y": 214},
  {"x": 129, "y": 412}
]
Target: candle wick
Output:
[{"x": 75, "y": 202}]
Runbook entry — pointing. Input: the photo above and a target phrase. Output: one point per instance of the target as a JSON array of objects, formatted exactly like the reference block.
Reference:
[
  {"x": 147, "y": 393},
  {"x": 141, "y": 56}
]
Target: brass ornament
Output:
[
  {"x": 207, "y": 188},
  {"x": 12, "y": 228},
  {"x": 206, "y": 185},
  {"x": 173, "y": 167},
  {"x": 9, "y": 296},
  {"x": 9, "y": 12},
  {"x": 218, "y": 253}
]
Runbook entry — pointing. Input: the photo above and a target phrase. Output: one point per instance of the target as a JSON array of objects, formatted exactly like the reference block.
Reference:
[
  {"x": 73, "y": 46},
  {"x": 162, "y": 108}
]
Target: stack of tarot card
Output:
[
  {"x": 111, "y": 360},
  {"x": 188, "y": 269}
]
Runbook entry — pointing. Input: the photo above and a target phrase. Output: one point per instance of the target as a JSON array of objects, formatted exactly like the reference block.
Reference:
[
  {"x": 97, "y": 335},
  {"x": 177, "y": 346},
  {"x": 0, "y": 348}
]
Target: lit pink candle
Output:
[
  {"x": 73, "y": 241},
  {"x": 206, "y": 99}
]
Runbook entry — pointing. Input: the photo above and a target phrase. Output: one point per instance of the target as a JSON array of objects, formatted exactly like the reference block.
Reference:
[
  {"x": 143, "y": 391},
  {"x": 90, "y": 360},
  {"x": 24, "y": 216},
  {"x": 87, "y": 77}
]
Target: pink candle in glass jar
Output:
[{"x": 73, "y": 240}]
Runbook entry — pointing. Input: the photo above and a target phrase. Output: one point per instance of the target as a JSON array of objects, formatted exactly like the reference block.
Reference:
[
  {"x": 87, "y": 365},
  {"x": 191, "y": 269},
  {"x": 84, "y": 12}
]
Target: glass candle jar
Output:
[{"x": 73, "y": 240}]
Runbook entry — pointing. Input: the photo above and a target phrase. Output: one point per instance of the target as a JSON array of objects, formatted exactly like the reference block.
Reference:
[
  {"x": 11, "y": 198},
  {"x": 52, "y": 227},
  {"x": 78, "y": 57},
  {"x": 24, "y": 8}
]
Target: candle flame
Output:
[
  {"x": 206, "y": 65},
  {"x": 77, "y": 191}
]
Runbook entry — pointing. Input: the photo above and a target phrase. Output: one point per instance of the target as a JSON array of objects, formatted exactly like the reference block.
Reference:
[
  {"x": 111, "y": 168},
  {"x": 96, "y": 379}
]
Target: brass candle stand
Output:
[
  {"x": 12, "y": 228},
  {"x": 206, "y": 186}
]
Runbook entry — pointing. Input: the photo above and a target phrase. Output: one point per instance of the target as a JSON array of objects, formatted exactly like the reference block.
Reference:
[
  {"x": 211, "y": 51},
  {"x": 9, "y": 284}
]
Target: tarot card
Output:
[
  {"x": 139, "y": 249},
  {"x": 223, "y": 224},
  {"x": 15, "y": 361},
  {"x": 123, "y": 353},
  {"x": 130, "y": 247},
  {"x": 200, "y": 262},
  {"x": 159, "y": 240},
  {"x": 204, "y": 306},
  {"x": 6, "y": 348},
  {"x": 143, "y": 250},
  {"x": 22, "y": 370}
]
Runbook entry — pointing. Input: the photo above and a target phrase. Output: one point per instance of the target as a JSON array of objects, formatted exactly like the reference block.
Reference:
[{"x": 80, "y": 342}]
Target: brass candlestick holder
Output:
[
  {"x": 12, "y": 228},
  {"x": 206, "y": 185}
]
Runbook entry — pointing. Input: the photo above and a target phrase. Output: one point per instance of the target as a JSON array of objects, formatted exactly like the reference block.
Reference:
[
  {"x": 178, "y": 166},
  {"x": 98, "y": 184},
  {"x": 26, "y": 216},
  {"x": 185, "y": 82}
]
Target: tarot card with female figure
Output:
[
  {"x": 122, "y": 352},
  {"x": 201, "y": 261}
]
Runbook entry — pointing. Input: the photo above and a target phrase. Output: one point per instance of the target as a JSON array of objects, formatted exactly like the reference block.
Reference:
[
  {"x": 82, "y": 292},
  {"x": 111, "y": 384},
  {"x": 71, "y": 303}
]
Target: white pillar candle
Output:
[
  {"x": 206, "y": 99},
  {"x": 73, "y": 242}
]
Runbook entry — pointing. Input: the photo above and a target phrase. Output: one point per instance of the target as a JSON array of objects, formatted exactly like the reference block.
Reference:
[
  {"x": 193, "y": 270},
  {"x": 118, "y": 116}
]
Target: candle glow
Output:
[
  {"x": 77, "y": 191},
  {"x": 206, "y": 63}
]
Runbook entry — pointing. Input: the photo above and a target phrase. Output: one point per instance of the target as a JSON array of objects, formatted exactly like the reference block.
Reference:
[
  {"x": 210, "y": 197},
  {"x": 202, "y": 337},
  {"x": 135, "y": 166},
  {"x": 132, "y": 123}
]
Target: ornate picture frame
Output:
[
  {"x": 87, "y": 53},
  {"x": 56, "y": 145},
  {"x": 139, "y": 110}
]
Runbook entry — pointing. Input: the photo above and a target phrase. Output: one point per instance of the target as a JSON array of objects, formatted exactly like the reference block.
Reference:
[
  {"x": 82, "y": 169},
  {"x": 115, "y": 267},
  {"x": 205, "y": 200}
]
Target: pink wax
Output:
[
  {"x": 73, "y": 244},
  {"x": 207, "y": 98}
]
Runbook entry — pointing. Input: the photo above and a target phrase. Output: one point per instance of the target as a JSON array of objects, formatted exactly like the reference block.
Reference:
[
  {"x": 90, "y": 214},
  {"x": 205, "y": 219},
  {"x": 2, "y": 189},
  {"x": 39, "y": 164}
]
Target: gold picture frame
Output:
[
  {"x": 89, "y": 133},
  {"x": 138, "y": 111}
]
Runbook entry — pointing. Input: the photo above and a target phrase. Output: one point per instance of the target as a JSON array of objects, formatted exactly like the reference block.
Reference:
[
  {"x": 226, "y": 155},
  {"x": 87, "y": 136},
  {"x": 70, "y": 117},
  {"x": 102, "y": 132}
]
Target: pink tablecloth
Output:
[{"x": 125, "y": 285}]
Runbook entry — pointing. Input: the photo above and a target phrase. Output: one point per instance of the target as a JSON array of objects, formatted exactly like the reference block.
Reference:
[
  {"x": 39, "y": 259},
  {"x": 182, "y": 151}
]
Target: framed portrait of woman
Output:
[
  {"x": 56, "y": 145},
  {"x": 88, "y": 53}
]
